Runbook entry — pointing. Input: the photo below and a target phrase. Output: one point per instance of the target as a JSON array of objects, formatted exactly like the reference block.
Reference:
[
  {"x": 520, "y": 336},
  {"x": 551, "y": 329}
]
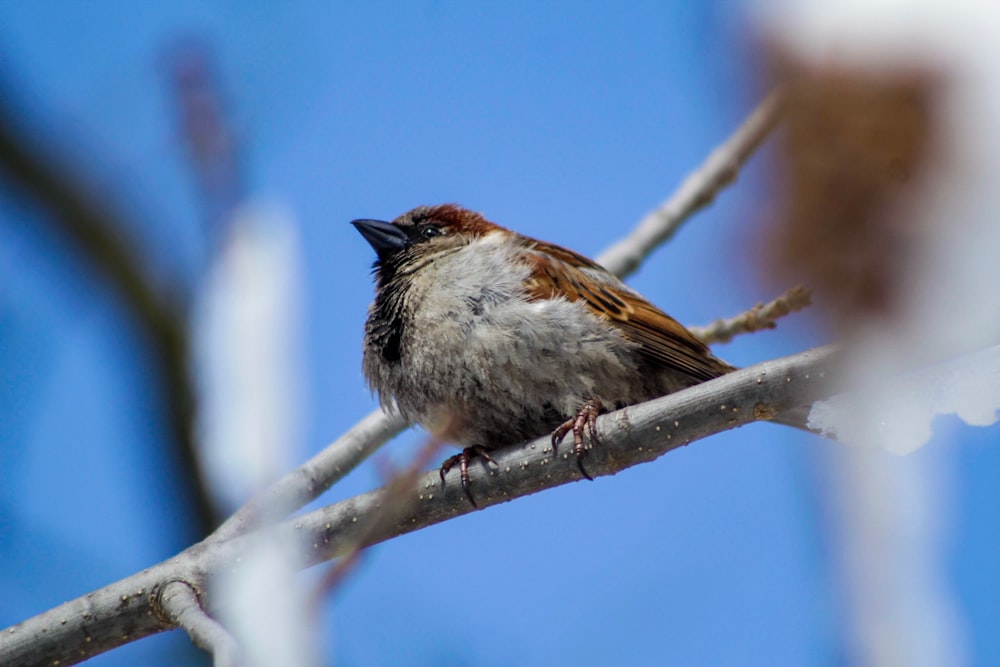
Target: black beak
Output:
[{"x": 387, "y": 239}]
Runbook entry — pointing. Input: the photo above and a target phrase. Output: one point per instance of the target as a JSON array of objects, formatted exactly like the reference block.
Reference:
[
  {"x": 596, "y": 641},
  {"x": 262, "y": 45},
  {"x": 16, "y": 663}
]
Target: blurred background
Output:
[{"x": 566, "y": 121}]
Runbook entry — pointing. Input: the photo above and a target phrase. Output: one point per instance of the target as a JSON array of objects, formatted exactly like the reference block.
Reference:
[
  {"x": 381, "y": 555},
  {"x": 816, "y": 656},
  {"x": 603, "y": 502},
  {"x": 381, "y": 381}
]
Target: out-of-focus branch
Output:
[
  {"x": 697, "y": 191},
  {"x": 99, "y": 235},
  {"x": 179, "y": 602},
  {"x": 395, "y": 495},
  {"x": 761, "y": 316},
  {"x": 214, "y": 150},
  {"x": 126, "y": 610}
]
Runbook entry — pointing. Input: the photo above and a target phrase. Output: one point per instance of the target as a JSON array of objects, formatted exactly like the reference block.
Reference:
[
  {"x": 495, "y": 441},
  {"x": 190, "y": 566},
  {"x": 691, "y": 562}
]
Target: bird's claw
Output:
[
  {"x": 586, "y": 418},
  {"x": 462, "y": 459}
]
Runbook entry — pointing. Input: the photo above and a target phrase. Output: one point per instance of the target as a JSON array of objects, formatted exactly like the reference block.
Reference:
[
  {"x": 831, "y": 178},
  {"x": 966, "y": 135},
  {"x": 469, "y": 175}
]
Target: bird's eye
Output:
[{"x": 430, "y": 231}]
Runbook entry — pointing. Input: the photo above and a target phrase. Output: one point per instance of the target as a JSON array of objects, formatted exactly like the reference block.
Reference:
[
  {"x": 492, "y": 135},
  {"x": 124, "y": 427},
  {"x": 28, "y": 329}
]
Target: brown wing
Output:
[{"x": 663, "y": 340}]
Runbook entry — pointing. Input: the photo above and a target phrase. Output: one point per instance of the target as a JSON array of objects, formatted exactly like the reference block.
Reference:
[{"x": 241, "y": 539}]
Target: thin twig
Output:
[
  {"x": 761, "y": 316},
  {"x": 395, "y": 494},
  {"x": 179, "y": 601},
  {"x": 697, "y": 191}
]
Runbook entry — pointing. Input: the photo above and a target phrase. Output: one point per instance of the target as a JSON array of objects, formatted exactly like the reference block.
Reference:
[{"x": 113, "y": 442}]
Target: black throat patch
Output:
[{"x": 387, "y": 320}]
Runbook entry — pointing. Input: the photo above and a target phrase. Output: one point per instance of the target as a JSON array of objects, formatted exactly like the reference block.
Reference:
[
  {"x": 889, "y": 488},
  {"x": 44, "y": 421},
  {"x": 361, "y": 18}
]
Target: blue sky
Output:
[{"x": 566, "y": 121}]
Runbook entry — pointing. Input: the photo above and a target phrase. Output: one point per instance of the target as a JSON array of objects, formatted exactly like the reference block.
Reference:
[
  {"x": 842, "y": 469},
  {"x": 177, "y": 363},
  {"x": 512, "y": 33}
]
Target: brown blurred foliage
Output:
[{"x": 853, "y": 144}]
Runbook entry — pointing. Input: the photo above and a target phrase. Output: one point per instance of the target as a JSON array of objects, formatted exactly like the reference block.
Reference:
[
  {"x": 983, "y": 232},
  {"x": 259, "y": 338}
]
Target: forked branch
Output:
[{"x": 127, "y": 610}]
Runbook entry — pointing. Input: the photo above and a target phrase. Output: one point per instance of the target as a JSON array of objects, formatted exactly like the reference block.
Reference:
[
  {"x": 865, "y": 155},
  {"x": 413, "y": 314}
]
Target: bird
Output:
[{"x": 486, "y": 337}]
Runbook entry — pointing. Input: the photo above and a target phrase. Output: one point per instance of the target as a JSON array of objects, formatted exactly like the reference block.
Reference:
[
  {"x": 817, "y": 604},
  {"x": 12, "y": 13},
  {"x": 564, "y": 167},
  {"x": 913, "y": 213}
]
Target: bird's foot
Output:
[
  {"x": 462, "y": 459},
  {"x": 586, "y": 418}
]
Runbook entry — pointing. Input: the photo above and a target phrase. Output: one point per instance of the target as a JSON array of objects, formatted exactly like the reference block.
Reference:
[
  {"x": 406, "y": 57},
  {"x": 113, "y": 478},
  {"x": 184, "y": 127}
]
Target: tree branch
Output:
[
  {"x": 697, "y": 191},
  {"x": 132, "y": 608},
  {"x": 97, "y": 234},
  {"x": 180, "y": 603},
  {"x": 628, "y": 437},
  {"x": 308, "y": 481},
  {"x": 761, "y": 316}
]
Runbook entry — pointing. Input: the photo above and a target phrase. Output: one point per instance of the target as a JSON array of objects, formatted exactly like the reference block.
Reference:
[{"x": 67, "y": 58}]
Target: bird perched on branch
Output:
[{"x": 488, "y": 338}]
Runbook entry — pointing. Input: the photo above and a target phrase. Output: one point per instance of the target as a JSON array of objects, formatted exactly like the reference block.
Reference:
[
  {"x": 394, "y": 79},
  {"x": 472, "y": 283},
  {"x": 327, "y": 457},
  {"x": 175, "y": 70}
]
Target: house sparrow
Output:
[{"x": 487, "y": 338}]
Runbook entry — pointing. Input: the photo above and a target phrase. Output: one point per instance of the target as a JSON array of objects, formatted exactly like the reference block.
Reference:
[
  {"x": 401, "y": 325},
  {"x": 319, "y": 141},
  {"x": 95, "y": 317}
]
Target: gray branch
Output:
[
  {"x": 307, "y": 482},
  {"x": 697, "y": 191},
  {"x": 761, "y": 316},
  {"x": 134, "y": 608},
  {"x": 179, "y": 601}
]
